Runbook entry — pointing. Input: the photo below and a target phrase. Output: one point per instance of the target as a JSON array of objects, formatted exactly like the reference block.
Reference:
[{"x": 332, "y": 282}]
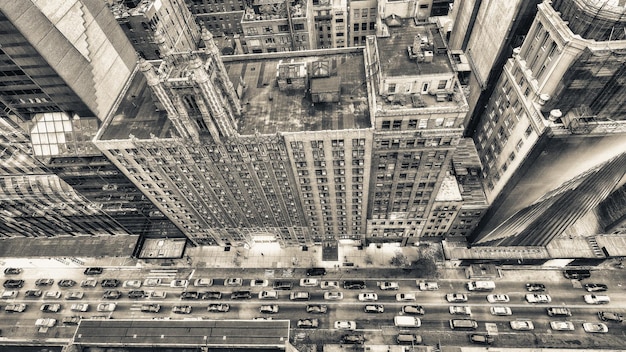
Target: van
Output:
[
  {"x": 406, "y": 321},
  {"x": 463, "y": 324},
  {"x": 405, "y": 338},
  {"x": 481, "y": 285},
  {"x": 559, "y": 312}
]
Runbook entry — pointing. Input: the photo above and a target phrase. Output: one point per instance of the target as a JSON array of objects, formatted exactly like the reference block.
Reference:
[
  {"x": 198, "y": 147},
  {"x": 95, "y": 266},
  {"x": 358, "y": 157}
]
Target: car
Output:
[
  {"x": 13, "y": 283},
  {"x": 368, "y": 296},
  {"x": 456, "y": 297},
  {"x": 132, "y": 284},
  {"x": 93, "y": 271},
  {"x": 218, "y": 308},
  {"x": 596, "y": 299},
  {"x": 315, "y": 271},
  {"x": 460, "y": 310},
  {"x": 268, "y": 294},
  {"x": 403, "y": 297},
  {"x": 179, "y": 283},
  {"x": 299, "y": 296},
  {"x": 559, "y": 312},
  {"x": 408, "y": 338},
  {"x": 50, "y": 307},
  {"x": 210, "y": 295},
  {"x": 45, "y": 322},
  {"x": 427, "y": 285},
  {"x": 535, "y": 287},
  {"x": 136, "y": 294},
  {"x": 595, "y": 327},
  {"x": 498, "y": 298},
  {"x": 240, "y": 295},
  {"x": 577, "y": 274},
  {"x": 374, "y": 308},
  {"x": 106, "y": 307},
  {"x": 181, "y": 309},
  {"x": 329, "y": 285},
  {"x": 89, "y": 283},
  {"x": 499, "y": 310},
  {"x": 233, "y": 281},
  {"x": 66, "y": 283},
  {"x": 33, "y": 293},
  {"x": 562, "y": 325},
  {"x": 595, "y": 287},
  {"x": 522, "y": 325},
  {"x": 389, "y": 285},
  {"x": 269, "y": 308},
  {"x": 110, "y": 283},
  {"x": 538, "y": 298},
  {"x": 354, "y": 285},
  {"x": 309, "y": 282},
  {"x": 189, "y": 295},
  {"x": 610, "y": 316},
  {"x": 345, "y": 325},
  {"x": 484, "y": 339},
  {"x": 262, "y": 318},
  {"x": 157, "y": 294},
  {"x": 79, "y": 307},
  {"x": 316, "y": 308},
  {"x": 44, "y": 282},
  {"x": 282, "y": 285},
  {"x": 52, "y": 294},
  {"x": 72, "y": 320},
  {"x": 352, "y": 339},
  {"x": 308, "y": 323},
  {"x": 203, "y": 282},
  {"x": 112, "y": 294},
  {"x": 259, "y": 282},
  {"x": 8, "y": 294},
  {"x": 413, "y": 310},
  {"x": 152, "y": 282},
  {"x": 151, "y": 308},
  {"x": 15, "y": 308},
  {"x": 333, "y": 295},
  {"x": 74, "y": 295},
  {"x": 12, "y": 271}
]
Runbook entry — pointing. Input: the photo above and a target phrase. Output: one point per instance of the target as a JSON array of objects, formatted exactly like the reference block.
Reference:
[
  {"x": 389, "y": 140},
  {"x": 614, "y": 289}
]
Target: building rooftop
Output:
[{"x": 268, "y": 110}]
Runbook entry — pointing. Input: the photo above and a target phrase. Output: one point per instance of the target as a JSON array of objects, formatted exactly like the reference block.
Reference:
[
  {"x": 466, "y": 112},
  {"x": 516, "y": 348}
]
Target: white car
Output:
[
  {"x": 498, "y": 310},
  {"x": 562, "y": 325},
  {"x": 259, "y": 282},
  {"x": 333, "y": 295},
  {"x": 106, "y": 307},
  {"x": 89, "y": 283},
  {"x": 498, "y": 298},
  {"x": 179, "y": 283},
  {"x": 538, "y": 298},
  {"x": 329, "y": 284},
  {"x": 456, "y": 297},
  {"x": 403, "y": 297},
  {"x": 309, "y": 282},
  {"x": 152, "y": 282},
  {"x": 203, "y": 282},
  {"x": 428, "y": 286},
  {"x": 596, "y": 299},
  {"x": 52, "y": 294},
  {"x": 299, "y": 296},
  {"x": 389, "y": 285},
  {"x": 268, "y": 295},
  {"x": 345, "y": 325},
  {"x": 233, "y": 281},
  {"x": 462, "y": 310},
  {"x": 596, "y": 327},
  {"x": 157, "y": 294},
  {"x": 132, "y": 284},
  {"x": 368, "y": 297},
  {"x": 522, "y": 325},
  {"x": 74, "y": 295},
  {"x": 9, "y": 294},
  {"x": 79, "y": 307}
]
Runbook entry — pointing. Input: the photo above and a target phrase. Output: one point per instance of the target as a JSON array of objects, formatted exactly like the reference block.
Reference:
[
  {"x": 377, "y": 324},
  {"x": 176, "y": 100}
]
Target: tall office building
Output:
[{"x": 64, "y": 65}]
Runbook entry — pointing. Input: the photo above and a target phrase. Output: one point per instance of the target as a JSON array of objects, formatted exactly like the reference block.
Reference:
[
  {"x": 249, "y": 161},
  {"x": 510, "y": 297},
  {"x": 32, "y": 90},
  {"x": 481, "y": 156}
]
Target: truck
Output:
[{"x": 481, "y": 285}]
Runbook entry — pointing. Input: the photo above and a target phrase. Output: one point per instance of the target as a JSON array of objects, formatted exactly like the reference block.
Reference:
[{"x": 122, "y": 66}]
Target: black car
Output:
[
  {"x": 353, "y": 339},
  {"x": 12, "y": 271},
  {"x": 610, "y": 316},
  {"x": 136, "y": 294},
  {"x": 354, "y": 285},
  {"x": 33, "y": 293},
  {"x": 210, "y": 295},
  {"x": 596, "y": 287},
  {"x": 241, "y": 295},
  {"x": 72, "y": 320},
  {"x": 534, "y": 287},
  {"x": 483, "y": 339},
  {"x": 13, "y": 283},
  {"x": 189, "y": 295},
  {"x": 93, "y": 271},
  {"x": 315, "y": 272},
  {"x": 44, "y": 282},
  {"x": 66, "y": 283},
  {"x": 577, "y": 274},
  {"x": 110, "y": 283},
  {"x": 282, "y": 285}
]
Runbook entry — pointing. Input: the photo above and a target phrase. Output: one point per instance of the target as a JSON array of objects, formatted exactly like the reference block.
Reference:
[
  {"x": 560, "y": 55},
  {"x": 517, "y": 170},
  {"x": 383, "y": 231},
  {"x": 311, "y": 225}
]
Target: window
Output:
[
  {"x": 386, "y": 125},
  {"x": 363, "y": 26},
  {"x": 442, "y": 84},
  {"x": 356, "y": 27},
  {"x": 392, "y": 88},
  {"x": 528, "y": 131},
  {"x": 425, "y": 87},
  {"x": 298, "y": 26}
]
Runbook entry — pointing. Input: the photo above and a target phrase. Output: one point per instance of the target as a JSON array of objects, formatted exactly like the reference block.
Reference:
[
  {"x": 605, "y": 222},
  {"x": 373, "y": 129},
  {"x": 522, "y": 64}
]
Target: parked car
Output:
[
  {"x": 268, "y": 294},
  {"x": 106, "y": 307},
  {"x": 74, "y": 295},
  {"x": 110, "y": 283},
  {"x": 179, "y": 283},
  {"x": 13, "y": 283},
  {"x": 210, "y": 295},
  {"x": 315, "y": 272},
  {"x": 483, "y": 339},
  {"x": 456, "y": 297},
  {"x": 181, "y": 309},
  {"x": 309, "y": 282},
  {"x": 501, "y": 311},
  {"x": 333, "y": 295},
  {"x": 152, "y": 282},
  {"x": 345, "y": 325},
  {"x": 157, "y": 294},
  {"x": 428, "y": 286},
  {"x": 233, "y": 281},
  {"x": 240, "y": 295},
  {"x": 316, "y": 308},
  {"x": 151, "y": 308},
  {"x": 136, "y": 294},
  {"x": 595, "y": 327},
  {"x": 66, "y": 283},
  {"x": 562, "y": 325},
  {"x": 203, "y": 282},
  {"x": 610, "y": 316},
  {"x": 50, "y": 307},
  {"x": 596, "y": 299},
  {"x": 218, "y": 308},
  {"x": 403, "y": 297},
  {"x": 33, "y": 293},
  {"x": 595, "y": 287},
  {"x": 89, "y": 283},
  {"x": 282, "y": 285},
  {"x": 389, "y": 285},
  {"x": 269, "y": 308},
  {"x": 353, "y": 339},
  {"x": 72, "y": 320},
  {"x": 499, "y": 298},
  {"x": 374, "y": 308},
  {"x": 259, "y": 282},
  {"x": 368, "y": 296},
  {"x": 79, "y": 307},
  {"x": 354, "y": 285},
  {"x": 577, "y": 274},
  {"x": 132, "y": 284},
  {"x": 522, "y": 325},
  {"x": 112, "y": 294},
  {"x": 308, "y": 323},
  {"x": 12, "y": 271},
  {"x": 299, "y": 296},
  {"x": 329, "y": 284},
  {"x": 9, "y": 294},
  {"x": 52, "y": 294},
  {"x": 93, "y": 271},
  {"x": 15, "y": 308},
  {"x": 413, "y": 310},
  {"x": 44, "y": 282},
  {"x": 189, "y": 295},
  {"x": 535, "y": 287}
]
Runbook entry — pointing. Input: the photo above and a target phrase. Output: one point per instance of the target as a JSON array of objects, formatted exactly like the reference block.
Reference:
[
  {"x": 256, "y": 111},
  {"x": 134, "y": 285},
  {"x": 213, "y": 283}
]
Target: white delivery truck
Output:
[
  {"x": 481, "y": 285},
  {"x": 404, "y": 321}
]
